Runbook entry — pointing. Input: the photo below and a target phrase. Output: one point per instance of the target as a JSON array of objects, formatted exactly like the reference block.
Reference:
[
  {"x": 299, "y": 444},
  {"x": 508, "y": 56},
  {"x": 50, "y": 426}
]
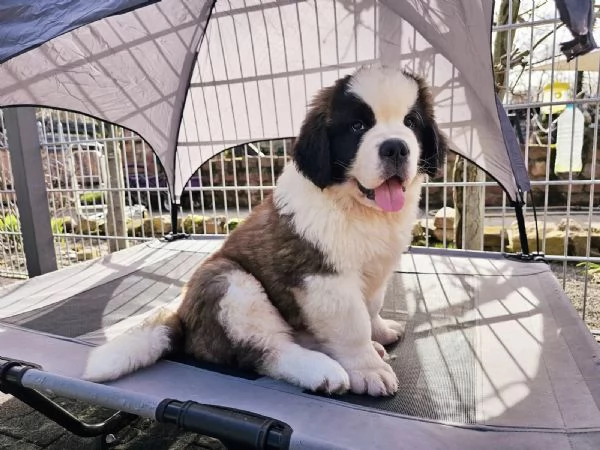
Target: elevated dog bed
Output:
[{"x": 494, "y": 355}]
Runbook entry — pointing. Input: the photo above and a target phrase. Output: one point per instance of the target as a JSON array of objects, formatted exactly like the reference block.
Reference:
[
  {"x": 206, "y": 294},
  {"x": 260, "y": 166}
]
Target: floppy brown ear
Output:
[
  {"x": 434, "y": 147},
  {"x": 311, "y": 150},
  {"x": 433, "y": 143}
]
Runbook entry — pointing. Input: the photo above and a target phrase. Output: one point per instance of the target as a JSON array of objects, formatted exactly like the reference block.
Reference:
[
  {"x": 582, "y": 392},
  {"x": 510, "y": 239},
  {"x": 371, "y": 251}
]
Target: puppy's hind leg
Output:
[{"x": 251, "y": 320}]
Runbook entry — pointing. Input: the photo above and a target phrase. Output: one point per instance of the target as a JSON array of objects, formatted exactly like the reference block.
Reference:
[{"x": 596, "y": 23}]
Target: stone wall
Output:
[
  {"x": 266, "y": 169},
  {"x": 566, "y": 237},
  {"x": 263, "y": 171},
  {"x": 539, "y": 161},
  {"x": 251, "y": 175},
  {"x": 570, "y": 238}
]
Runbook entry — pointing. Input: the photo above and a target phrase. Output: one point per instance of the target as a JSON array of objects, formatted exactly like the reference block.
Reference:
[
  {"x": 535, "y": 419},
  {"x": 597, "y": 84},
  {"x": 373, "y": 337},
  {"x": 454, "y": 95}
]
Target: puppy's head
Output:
[{"x": 374, "y": 131}]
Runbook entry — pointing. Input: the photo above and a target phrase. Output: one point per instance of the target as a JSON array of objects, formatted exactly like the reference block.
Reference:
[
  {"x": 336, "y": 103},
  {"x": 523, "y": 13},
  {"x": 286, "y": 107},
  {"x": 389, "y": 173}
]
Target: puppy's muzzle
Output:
[
  {"x": 393, "y": 154},
  {"x": 394, "y": 150},
  {"x": 370, "y": 193}
]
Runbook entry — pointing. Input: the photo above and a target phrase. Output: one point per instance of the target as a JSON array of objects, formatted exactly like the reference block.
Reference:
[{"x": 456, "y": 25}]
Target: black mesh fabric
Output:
[
  {"x": 435, "y": 361},
  {"x": 108, "y": 303}
]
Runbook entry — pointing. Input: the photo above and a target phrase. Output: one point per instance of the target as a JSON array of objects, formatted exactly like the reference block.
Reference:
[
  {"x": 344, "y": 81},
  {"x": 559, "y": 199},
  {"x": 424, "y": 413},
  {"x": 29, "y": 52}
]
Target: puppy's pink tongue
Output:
[{"x": 390, "y": 195}]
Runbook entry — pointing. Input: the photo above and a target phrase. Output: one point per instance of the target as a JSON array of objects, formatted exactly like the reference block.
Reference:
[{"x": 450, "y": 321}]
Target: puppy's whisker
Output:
[
  {"x": 419, "y": 116},
  {"x": 341, "y": 164}
]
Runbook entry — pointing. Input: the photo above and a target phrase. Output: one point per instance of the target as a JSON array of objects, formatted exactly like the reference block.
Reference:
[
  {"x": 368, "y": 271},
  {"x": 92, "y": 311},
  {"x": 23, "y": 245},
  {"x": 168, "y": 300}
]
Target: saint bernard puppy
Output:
[{"x": 295, "y": 292}]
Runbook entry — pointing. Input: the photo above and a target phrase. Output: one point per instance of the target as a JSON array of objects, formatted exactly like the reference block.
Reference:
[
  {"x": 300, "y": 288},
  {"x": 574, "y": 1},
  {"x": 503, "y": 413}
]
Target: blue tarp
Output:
[{"x": 25, "y": 24}]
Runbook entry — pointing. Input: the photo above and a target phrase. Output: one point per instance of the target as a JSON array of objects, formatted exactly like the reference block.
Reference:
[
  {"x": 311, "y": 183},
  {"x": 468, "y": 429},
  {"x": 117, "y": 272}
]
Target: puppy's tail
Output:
[{"x": 137, "y": 348}]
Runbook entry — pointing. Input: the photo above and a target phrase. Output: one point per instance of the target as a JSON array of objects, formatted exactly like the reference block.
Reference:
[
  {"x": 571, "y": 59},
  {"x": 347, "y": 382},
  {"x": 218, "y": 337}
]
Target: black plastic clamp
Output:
[{"x": 236, "y": 429}]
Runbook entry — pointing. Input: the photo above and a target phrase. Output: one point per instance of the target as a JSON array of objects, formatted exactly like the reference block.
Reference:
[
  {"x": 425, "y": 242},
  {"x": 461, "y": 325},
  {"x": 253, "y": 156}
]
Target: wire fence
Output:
[
  {"x": 106, "y": 189},
  {"x": 12, "y": 263},
  {"x": 555, "y": 110}
]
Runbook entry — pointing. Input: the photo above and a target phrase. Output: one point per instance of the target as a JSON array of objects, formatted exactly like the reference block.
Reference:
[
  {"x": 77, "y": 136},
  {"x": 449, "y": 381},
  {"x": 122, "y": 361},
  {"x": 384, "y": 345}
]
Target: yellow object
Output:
[{"x": 555, "y": 92}]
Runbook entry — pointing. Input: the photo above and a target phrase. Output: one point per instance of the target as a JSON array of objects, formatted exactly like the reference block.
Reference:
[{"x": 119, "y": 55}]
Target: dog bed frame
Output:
[
  {"x": 494, "y": 354},
  {"x": 494, "y": 357}
]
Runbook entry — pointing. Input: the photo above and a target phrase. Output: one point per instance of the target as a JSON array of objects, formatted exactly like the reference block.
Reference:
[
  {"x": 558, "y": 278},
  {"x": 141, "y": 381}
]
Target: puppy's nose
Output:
[{"x": 393, "y": 149}]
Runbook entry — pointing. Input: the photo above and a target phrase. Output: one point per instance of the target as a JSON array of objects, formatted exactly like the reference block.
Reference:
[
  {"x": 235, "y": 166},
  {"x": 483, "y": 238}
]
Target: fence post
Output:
[
  {"x": 115, "y": 216},
  {"x": 30, "y": 187}
]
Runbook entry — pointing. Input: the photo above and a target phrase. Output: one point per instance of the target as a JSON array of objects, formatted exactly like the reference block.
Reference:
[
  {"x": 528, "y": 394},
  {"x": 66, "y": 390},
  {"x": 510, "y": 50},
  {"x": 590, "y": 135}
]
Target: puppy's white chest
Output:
[{"x": 366, "y": 249}]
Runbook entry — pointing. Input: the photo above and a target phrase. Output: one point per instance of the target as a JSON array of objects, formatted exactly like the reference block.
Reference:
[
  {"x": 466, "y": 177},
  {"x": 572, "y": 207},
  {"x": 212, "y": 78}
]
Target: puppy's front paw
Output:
[
  {"x": 387, "y": 331},
  {"x": 325, "y": 375},
  {"x": 377, "y": 381},
  {"x": 381, "y": 351},
  {"x": 370, "y": 374}
]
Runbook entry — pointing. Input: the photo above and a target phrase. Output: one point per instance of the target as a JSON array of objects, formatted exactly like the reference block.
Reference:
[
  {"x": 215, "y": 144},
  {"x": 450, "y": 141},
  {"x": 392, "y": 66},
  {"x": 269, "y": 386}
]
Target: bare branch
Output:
[
  {"x": 530, "y": 11},
  {"x": 503, "y": 44}
]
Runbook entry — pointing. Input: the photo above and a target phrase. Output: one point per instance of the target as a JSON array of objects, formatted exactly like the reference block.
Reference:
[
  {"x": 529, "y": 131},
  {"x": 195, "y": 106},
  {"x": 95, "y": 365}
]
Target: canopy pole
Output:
[
  {"x": 526, "y": 254},
  {"x": 175, "y": 235},
  {"x": 174, "y": 214},
  {"x": 522, "y": 230}
]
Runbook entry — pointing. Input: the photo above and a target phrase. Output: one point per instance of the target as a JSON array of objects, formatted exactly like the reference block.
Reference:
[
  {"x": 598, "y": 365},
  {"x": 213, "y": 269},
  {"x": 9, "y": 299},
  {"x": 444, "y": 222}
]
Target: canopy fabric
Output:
[
  {"x": 192, "y": 83},
  {"x": 50, "y": 19},
  {"x": 130, "y": 69}
]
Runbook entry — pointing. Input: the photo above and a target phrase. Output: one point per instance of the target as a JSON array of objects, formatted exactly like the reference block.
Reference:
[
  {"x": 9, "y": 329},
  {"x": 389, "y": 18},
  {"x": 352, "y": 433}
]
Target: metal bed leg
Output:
[{"x": 11, "y": 372}]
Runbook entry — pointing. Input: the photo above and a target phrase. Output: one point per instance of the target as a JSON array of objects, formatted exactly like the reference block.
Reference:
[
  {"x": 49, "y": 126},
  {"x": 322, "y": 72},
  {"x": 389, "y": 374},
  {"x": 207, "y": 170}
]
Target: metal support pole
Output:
[
  {"x": 522, "y": 230},
  {"x": 30, "y": 187},
  {"x": 174, "y": 235},
  {"x": 115, "y": 217}
]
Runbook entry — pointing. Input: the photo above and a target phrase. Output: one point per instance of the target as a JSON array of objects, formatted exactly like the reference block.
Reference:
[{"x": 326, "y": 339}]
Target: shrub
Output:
[
  {"x": 91, "y": 198},
  {"x": 10, "y": 223},
  {"x": 233, "y": 224},
  {"x": 592, "y": 268},
  {"x": 58, "y": 225}
]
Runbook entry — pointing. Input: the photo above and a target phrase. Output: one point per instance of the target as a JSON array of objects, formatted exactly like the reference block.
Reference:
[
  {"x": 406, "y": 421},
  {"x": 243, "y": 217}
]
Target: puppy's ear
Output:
[
  {"x": 434, "y": 147},
  {"x": 312, "y": 154},
  {"x": 433, "y": 143}
]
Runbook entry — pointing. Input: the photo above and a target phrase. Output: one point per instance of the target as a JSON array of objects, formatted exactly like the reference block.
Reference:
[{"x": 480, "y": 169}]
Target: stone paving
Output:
[{"x": 22, "y": 428}]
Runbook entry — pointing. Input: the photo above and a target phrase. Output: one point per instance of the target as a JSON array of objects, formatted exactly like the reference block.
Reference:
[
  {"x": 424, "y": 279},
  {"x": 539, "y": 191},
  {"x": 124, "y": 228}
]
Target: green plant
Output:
[
  {"x": 10, "y": 223},
  {"x": 58, "y": 225},
  {"x": 591, "y": 268},
  {"x": 233, "y": 224},
  {"x": 441, "y": 245},
  {"x": 91, "y": 198}
]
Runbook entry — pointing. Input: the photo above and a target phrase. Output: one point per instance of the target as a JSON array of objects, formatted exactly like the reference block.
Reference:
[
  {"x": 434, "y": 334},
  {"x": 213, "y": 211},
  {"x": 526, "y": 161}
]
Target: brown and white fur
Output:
[{"x": 296, "y": 290}]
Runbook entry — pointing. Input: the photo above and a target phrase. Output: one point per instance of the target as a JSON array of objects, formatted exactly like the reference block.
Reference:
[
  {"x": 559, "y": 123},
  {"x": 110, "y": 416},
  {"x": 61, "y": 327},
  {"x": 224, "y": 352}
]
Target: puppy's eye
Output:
[
  {"x": 358, "y": 127},
  {"x": 410, "y": 121}
]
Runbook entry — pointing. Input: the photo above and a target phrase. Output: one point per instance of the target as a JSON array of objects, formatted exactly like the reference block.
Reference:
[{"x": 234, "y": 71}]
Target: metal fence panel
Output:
[{"x": 12, "y": 257}]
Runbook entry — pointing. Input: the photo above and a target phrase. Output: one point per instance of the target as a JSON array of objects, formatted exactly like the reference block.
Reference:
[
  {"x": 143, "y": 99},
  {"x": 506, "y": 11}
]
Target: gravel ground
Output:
[
  {"x": 22, "y": 428},
  {"x": 573, "y": 280}
]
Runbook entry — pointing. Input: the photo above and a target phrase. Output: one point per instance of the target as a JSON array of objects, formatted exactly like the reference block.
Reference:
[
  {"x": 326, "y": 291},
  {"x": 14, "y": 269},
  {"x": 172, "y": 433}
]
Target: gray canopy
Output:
[{"x": 196, "y": 77}]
